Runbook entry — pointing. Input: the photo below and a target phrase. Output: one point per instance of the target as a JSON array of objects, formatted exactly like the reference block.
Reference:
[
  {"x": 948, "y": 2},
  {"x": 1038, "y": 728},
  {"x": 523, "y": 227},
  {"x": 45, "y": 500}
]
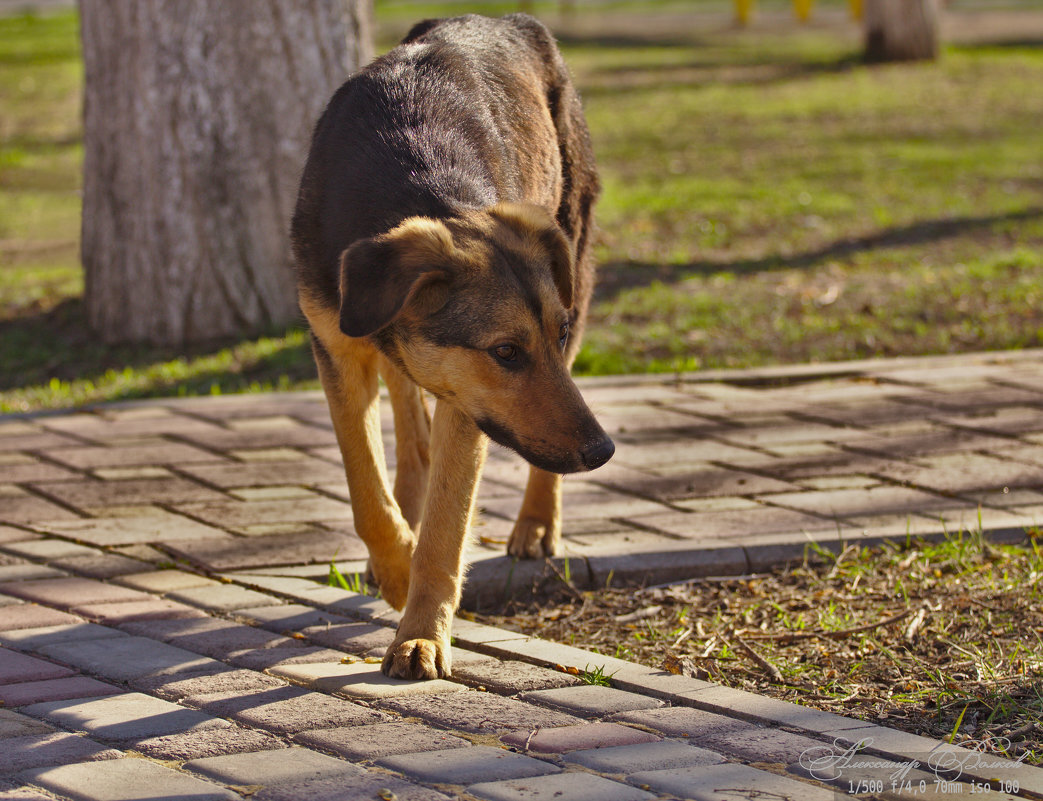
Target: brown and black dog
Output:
[{"x": 441, "y": 237}]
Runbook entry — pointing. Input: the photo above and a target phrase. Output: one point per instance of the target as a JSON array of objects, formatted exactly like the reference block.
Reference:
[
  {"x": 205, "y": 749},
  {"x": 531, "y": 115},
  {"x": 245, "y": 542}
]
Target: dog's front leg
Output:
[
  {"x": 421, "y": 647},
  {"x": 349, "y": 378},
  {"x": 537, "y": 533}
]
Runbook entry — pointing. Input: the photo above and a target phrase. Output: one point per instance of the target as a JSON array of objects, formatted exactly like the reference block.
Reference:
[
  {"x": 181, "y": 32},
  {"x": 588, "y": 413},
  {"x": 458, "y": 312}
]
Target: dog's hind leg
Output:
[
  {"x": 421, "y": 648},
  {"x": 537, "y": 532},
  {"x": 349, "y": 378},
  {"x": 412, "y": 441}
]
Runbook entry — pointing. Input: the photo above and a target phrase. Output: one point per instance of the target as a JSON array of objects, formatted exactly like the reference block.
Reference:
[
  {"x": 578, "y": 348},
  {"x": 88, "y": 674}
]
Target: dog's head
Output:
[{"x": 476, "y": 310}]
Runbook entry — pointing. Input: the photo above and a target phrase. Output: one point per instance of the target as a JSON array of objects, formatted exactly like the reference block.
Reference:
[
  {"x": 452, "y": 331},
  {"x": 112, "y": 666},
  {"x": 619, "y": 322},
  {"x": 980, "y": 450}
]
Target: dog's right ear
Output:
[{"x": 380, "y": 276}]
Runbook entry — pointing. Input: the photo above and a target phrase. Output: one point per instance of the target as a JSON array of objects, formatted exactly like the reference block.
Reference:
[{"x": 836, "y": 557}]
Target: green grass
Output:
[{"x": 767, "y": 199}]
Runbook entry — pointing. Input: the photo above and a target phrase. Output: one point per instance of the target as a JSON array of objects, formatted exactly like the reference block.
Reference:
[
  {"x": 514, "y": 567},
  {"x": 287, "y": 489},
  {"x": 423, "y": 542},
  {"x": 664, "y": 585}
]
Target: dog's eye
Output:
[
  {"x": 506, "y": 353},
  {"x": 563, "y": 334}
]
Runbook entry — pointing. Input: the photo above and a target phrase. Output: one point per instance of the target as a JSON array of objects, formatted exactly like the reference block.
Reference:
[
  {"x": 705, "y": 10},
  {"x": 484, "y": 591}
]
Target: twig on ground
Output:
[
  {"x": 830, "y": 635},
  {"x": 763, "y": 663}
]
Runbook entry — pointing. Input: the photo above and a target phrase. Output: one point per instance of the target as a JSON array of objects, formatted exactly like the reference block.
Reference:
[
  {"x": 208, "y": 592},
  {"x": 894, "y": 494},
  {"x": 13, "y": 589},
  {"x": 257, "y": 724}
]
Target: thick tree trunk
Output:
[
  {"x": 197, "y": 120},
  {"x": 901, "y": 30}
]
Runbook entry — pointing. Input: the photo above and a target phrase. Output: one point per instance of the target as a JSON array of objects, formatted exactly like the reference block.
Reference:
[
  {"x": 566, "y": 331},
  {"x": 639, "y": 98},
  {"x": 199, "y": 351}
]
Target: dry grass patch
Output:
[{"x": 940, "y": 639}]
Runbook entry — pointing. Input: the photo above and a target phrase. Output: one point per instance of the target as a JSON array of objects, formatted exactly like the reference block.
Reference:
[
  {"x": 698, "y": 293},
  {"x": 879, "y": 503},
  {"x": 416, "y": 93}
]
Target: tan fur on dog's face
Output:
[{"x": 479, "y": 317}]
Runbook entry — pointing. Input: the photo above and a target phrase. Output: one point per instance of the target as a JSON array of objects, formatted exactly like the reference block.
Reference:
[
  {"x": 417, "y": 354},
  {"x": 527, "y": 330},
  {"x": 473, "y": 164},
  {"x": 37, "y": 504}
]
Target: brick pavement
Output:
[{"x": 162, "y": 633}]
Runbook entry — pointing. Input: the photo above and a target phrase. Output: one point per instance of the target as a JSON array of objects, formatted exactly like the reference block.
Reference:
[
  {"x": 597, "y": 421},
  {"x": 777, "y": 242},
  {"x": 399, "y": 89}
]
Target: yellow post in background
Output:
[
  {"x": 803, "y": 9},
  {"x": 743, "y": 12},
  {"x": 856, "y": 8}
]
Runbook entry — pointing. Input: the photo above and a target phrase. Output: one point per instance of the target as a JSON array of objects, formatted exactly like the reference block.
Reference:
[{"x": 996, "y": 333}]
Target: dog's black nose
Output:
[{"x": 595, "y": 454}]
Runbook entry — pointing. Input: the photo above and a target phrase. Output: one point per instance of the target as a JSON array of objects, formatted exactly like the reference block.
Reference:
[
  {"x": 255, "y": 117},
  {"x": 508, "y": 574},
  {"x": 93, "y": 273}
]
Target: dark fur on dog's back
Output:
[{"x": 453, "y": 119}]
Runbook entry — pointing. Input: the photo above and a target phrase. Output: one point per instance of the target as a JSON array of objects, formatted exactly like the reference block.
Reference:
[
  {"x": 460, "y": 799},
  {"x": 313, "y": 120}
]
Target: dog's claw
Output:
[
  {"x": 417, "y": 659},
  {"x": 532, "y": 539}
]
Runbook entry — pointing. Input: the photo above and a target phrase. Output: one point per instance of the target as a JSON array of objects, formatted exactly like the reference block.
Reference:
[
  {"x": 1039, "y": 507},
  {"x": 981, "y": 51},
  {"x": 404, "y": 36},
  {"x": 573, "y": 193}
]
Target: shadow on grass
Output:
[
  {"x": 755, "y": 72},
  {"x": 619, "y": 276},
  {"x": 39, "y": 349}
]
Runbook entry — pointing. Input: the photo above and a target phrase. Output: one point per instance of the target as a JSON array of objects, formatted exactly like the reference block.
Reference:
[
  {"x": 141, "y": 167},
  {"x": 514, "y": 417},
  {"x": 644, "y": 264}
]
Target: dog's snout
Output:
[{"x": 596, "y": 453}]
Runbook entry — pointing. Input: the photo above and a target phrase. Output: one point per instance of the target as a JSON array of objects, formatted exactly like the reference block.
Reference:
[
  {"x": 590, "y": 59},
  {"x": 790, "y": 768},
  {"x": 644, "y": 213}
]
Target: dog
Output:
[{"x": 441, "y": 238}]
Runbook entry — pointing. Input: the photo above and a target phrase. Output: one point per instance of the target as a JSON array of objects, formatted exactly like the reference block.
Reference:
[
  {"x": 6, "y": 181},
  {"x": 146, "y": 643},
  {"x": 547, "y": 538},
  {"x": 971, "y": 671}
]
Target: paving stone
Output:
[
  {"x": 124, "y": 718},
  {"x": 294, "y": 764},
  {"x": 36, "y": 440},
  {"x": 509, "y": 677},
  {"x": 93, "y": 494},
  {"x": 305, "y": 471},
  {"x": 221, "y": 598},
  {"x": 734, "y": 523},
  {"x": 380, "y": 740},
  {"x": 46, "y": 750},
  {"x": 355, "y": 638},
  {"x": 11, "y": 534},
  {"x": 47, "y": 549},
  {"x": 36, "y": 638},
  {"x": 297, "y": 617},
  {"x": 236, "y": 514},
  {"x": 16, "y": 667},
  {"x": 761, "y": 709},
  {"x": 760, "y": 745},
  {"x": 573, "y": 786},
  {"x": 478, "y": 713},
  {"x": 156, "y": 525},
  {"x": 207, "y": 743},
  {"x": 35, "y": 692},
  {"x": 208, "y": 636},
  {"x": 241, "y": 553},
  {"x": 126, "y": 780},
  {"x": 70, "y": 592},
  {"x": 360, "y": 680},
  {"x": 120, "y": 612},
  {"x": 99, "y": 565},
  {"x": 467, "y": 765},
  {"x": 591, "y": 701},
  {"x": 682, "y": 721},
  {"x": 855, "y": 502},
  {"x": 127, "y": 658},
  {"x": 13, "y": 724},
  {"x": 298, "y": 436},
  {"x": 27, "y": 572},
  {"x": 727, "y": 781},
  {"x": 33, "y": 616},
  {"x": 152, "y": 453},
  {"x": 179, "y": 686},
  {"x": 279, "y": 656},
  {"x": 364, "y": 607},
  {"x": 967, "y": 472},
  {"x": 33, "y": 470},
  {"x": 285, "y": 710},
  {"x": 562, "y": 739},
  {"x": 623, "y": 759},
  {"x": 704, "y": 483},
  {"x": 162, "y": 581},
  {"x": 23, "y": 508},
  {"x": 363, "y": 786}
]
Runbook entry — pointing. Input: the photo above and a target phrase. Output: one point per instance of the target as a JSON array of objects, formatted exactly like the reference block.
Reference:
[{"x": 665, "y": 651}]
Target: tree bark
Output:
[
  {"x": 197, "y": 120},
  {"x": 901, "y": 30}
]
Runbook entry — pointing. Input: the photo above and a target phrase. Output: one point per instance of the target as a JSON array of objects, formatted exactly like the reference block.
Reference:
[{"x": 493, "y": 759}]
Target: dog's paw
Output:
[
  {"x": 417, "y": 659},
  {"x": 533, "y": 539}
]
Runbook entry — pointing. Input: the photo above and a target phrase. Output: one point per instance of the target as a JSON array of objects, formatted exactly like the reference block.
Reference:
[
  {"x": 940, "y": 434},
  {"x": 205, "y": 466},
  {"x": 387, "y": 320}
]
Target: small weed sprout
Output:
[{"x": 596, "y": 676}]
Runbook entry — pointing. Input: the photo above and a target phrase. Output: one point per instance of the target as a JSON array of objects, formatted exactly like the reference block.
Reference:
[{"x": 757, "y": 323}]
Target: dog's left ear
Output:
[
  {"x": 383, "y": 275},
  {"x": 536, "y": 225}
]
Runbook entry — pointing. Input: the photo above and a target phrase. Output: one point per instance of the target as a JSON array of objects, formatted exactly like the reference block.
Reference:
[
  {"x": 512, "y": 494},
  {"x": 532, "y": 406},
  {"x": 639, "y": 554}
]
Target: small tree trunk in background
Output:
[
  {"x": 901, "y": 30},
  {"x": 197, "y": 121}
]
